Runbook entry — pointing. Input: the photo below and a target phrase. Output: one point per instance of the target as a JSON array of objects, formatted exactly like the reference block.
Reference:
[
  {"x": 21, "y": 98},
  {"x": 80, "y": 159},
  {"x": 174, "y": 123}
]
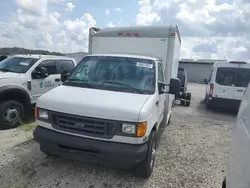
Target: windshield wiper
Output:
[
  {"x": 81, "y": 82},
  {"x": 129, "y": 86}
]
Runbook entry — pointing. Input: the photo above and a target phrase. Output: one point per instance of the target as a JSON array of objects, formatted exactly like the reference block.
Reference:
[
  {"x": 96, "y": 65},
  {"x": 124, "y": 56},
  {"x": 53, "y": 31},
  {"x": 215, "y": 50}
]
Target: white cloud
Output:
[
  {"x": 110, "y": 24},
  {"x": 117, "y": 9},
  {"x": 56, "y": 1},
  {"x": 38, "y": 28},
  {"x": 107, "y": 11},
  {"x": 209, "y": 29},
  {"x": 146, "y": 16},
  {"x": 69, "y": 6}
]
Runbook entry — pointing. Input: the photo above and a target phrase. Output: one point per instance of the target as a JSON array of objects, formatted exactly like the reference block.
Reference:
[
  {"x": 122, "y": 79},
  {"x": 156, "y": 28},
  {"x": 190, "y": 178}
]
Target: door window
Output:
[
  {"x": 67, "y": 65},
  {"x": 226, "y": 76},
  {"x": 242, "y": 77},
  {"x": 50, "y": 66},
  {"x": 160, "y": 73}
]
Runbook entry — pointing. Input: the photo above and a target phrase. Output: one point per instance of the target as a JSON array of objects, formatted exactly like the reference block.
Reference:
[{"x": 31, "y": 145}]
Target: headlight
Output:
[
  {"x": 128, "y": 128},
  {"x": 43, "y": 114},
  {"x": 137, "y": 129}
]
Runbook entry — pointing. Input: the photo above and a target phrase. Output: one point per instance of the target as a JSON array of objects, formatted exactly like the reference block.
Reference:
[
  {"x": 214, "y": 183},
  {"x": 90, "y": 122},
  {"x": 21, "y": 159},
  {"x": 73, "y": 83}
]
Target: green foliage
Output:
[{"x": 16, "y": 50}]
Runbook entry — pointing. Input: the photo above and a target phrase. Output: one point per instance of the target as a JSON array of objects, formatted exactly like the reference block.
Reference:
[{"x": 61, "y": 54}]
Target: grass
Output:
[
  {"x": 28, "y": 130},
  {"x": 28, "y": 127}
]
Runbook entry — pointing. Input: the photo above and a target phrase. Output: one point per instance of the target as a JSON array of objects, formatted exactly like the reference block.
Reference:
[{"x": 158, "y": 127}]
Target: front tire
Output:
[
  {"x": 11, "y": 114},
  {"x": 224, "y": 183},
  {"x": 145, "y": 168}
]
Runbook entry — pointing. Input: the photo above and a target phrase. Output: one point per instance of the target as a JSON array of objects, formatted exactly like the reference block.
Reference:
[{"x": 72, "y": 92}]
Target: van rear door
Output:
[
  {"x": 242, "y": 80},
  {"x": 224, "y": 82}
]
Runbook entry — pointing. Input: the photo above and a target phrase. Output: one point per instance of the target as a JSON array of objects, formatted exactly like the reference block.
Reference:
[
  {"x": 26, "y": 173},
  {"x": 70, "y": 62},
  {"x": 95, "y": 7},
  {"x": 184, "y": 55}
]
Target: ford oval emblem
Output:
[{"x": 80, "y": 125}]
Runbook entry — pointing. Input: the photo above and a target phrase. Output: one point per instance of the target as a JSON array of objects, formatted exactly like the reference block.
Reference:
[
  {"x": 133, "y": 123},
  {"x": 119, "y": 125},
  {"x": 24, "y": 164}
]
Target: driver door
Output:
[
  {"x": 45, "y": 84},
  {"x": 162, "y": 97}
]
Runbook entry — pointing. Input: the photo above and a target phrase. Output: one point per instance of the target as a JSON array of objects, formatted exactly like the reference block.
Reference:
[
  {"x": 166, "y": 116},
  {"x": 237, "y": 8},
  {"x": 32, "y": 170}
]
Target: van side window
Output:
[
  {"x": 242, "y": 77},
  {"x": 160, "y": 73},
  {"x": 226, "y": 76},
  {"x": 49, "y": 65}
]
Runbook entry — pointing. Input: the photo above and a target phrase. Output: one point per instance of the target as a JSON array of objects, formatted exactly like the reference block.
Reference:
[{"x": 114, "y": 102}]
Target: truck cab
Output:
[
  {"x": 23, "y": 79},
  {"x": 110, "y": 108}
]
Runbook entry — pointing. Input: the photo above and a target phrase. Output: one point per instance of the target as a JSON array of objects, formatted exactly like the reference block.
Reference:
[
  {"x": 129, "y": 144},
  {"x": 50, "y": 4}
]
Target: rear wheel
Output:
[
  {"x": 188, "y": 98},
  {"x": 11, "y": 114},
  {"x": 183, "y": 96},
  {"x": 145, "y": 168},
  {"x": 182, "y": 103}
]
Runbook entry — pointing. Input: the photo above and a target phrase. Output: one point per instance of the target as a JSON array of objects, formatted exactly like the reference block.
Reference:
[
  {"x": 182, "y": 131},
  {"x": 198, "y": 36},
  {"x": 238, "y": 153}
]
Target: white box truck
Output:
[{"x": 110, "y": 108}]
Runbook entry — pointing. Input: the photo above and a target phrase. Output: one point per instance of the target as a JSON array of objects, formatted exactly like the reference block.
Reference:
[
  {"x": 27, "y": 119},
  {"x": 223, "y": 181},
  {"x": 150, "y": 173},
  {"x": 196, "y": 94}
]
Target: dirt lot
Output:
[{"x": 192, "y": 153}]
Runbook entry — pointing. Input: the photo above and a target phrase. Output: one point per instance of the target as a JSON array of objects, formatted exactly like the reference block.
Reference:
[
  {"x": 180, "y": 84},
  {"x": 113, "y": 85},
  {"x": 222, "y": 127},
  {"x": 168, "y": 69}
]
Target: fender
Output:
[{"x": 15, "y": 89}]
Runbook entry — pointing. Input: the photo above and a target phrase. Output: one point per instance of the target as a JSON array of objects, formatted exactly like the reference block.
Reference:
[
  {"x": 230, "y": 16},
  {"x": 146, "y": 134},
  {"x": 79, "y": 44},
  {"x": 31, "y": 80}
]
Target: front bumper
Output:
[{"x": 89, "y": 150}]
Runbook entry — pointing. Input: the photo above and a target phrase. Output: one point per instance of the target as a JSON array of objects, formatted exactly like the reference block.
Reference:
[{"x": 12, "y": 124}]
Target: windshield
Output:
[
  {"x": 124, "y": 74},
  {"x": 17, "y": 64}
]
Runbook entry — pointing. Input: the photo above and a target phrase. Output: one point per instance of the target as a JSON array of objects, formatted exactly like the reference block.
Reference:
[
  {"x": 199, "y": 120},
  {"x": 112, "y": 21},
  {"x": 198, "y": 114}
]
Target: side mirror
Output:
[
  {"x": 64, "y": 75},
  {"x": 205, "y": 81},
  {"x": 174, "y": 86},
  {"x": 40, "y": 72}
]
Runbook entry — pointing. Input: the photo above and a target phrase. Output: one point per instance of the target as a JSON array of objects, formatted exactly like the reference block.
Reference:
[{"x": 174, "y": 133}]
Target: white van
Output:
[
  {"x": 227, "y": 83},
  {"x": 110, "y": 109},
  {"x": 238, "y": 171}
]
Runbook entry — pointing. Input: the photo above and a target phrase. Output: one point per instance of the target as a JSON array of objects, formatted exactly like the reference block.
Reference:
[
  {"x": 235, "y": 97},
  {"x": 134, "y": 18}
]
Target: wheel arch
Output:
[{"x": 17, "y": 93}]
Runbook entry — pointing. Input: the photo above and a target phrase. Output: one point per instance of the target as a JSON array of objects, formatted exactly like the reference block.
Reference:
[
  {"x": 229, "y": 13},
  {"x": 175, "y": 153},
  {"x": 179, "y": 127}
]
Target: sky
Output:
[{"x": 210, "y": 29}]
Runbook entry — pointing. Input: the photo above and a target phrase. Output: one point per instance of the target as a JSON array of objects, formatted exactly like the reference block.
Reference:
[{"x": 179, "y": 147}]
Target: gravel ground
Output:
[{"x": 192, "y": 153}]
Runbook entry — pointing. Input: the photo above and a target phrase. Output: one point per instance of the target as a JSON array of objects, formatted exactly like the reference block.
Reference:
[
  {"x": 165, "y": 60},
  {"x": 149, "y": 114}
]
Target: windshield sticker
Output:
[
  {"x": 145, "y": 65},
  {"x": 24, "y": 63}
]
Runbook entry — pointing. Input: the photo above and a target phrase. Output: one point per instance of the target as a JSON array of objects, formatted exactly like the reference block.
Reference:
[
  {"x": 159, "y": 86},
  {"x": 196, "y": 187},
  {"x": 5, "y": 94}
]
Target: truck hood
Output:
[
  {"x": 94, "y": 103},
  {"x": 4, "y": 75}
]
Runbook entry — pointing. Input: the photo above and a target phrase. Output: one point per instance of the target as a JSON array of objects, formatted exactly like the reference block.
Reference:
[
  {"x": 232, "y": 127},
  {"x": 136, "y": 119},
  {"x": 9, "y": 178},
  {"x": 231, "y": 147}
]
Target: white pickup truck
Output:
[
  {"x": 24, "y": 78},
  {"x": 111, "y": 108}
]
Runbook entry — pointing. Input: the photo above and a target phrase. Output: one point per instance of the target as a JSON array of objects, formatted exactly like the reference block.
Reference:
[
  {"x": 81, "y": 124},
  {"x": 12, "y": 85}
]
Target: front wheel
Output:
[
  {"x": 224, "y": 183},
  {"x": 145, "y": 168},
  {"x": 11, "y": 114}
]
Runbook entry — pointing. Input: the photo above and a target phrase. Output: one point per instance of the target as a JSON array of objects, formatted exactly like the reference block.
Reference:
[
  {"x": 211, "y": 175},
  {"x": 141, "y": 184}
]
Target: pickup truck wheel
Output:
[
  {"x": 188, "y": 98},
  {"x": 11, "y": 114},
  {"x": 145, "y": 168}
]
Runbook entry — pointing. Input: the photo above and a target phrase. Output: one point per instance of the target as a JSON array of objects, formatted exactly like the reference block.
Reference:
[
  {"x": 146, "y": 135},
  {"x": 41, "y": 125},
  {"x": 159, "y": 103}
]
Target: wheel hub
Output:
[{"x": 11, "y": 115}]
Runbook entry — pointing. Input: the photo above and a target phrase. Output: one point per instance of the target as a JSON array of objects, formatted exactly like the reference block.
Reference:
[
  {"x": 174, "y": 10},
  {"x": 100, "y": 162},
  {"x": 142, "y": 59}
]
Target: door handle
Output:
[
  {"x": 240, "y": 90},
  {"x": 57, "y": 80},
  {"x": 157, "y": 102}
]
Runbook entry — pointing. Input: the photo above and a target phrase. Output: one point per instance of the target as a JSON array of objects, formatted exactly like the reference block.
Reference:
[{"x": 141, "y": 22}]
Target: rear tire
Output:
[
  {"x": 11, "y": 114},
  {"x": 182, "y": 103},
  {"x": 188, "y": 98},
  {"x": 145, "y": 168}
]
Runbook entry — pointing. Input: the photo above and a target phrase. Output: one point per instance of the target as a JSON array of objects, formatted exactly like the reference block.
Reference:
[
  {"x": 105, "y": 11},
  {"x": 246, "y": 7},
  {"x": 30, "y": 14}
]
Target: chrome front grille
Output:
[{"x": 83, "y": 125}]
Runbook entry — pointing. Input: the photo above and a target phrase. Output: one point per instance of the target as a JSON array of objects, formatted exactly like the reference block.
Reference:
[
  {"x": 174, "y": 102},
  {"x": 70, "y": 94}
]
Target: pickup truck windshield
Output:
[
  {"x": 123, "y": 74},
  {"x": 17, "y": 64}
]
